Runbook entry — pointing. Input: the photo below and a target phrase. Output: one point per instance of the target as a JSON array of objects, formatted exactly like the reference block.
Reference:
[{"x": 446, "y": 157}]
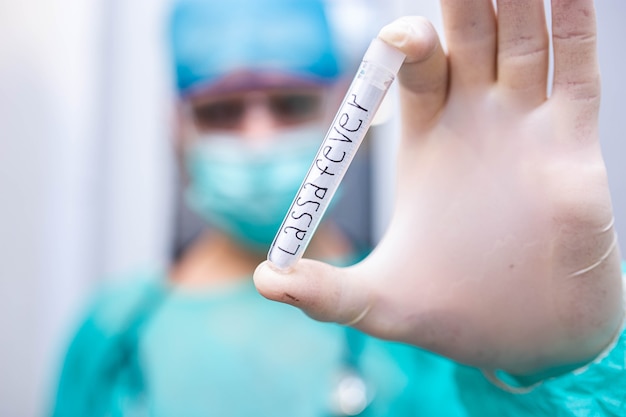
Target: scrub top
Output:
[{"x": 148, "y": 348}]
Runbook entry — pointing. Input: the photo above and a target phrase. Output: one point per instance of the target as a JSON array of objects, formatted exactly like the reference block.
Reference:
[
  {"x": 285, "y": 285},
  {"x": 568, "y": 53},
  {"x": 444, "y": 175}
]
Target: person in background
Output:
[{"x": 258, "y": 82}]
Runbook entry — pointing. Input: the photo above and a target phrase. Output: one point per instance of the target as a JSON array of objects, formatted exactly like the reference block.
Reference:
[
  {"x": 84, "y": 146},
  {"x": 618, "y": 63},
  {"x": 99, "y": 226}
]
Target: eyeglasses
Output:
[{"x": 287, "y": 107}]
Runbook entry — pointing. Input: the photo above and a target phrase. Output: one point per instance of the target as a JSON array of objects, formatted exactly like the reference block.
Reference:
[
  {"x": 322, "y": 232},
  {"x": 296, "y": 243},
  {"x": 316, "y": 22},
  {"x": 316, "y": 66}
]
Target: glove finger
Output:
[
  {"x": 424, "y": 75},
  {"x": 323, "y": 292}
]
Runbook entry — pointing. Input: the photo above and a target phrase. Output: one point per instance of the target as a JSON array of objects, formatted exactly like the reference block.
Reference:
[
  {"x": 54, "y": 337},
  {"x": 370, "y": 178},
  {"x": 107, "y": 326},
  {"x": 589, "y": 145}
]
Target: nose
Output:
[{"x": 258, "y": 123}]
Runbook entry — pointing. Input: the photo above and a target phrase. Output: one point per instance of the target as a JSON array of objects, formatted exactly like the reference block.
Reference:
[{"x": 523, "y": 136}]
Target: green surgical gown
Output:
[{"x": 149, "y": 349}]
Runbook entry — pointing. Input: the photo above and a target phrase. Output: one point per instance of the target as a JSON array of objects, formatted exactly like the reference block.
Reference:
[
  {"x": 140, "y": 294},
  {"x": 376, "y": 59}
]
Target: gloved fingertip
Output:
[
  {"x": 413, "y": 35},
  {"x": 396, "y": 33},
  {"x": 269, "y": 282}
]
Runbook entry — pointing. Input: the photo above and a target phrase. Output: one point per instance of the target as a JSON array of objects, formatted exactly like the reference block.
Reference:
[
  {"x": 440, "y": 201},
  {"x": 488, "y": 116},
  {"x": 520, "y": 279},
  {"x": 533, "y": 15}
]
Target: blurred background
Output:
[{"x": 88, "y": 184}]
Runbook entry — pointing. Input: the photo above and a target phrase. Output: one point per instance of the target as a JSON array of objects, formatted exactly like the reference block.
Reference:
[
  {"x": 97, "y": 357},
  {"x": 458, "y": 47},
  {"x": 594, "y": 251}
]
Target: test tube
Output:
[{"x": 377, "y": 71}]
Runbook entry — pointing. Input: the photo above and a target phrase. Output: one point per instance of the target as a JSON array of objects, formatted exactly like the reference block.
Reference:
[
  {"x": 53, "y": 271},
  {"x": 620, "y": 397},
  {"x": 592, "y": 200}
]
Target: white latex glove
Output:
[{"x": 501, "y": 252}]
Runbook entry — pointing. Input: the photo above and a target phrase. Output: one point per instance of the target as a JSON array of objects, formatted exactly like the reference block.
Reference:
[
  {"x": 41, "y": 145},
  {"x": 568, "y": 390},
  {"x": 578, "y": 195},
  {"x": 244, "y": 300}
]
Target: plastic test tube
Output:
[{"x": 374, "y": 76}]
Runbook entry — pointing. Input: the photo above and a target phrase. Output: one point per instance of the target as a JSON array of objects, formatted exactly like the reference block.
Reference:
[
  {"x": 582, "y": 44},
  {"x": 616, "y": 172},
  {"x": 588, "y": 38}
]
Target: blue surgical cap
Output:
[{"x": 213, "y": 38}]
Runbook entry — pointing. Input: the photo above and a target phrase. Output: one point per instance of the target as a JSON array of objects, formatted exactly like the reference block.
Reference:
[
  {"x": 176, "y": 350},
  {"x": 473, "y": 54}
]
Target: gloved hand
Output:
[{"x": 501, "y": 252}]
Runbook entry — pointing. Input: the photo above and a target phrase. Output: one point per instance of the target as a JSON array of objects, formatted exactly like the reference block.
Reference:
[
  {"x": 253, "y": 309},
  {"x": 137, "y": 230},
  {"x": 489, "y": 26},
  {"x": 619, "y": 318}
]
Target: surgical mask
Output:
[{"x": 246, "y": 191}]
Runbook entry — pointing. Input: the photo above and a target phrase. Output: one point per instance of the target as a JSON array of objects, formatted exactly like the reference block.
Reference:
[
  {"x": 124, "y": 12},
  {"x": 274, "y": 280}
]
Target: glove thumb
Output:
[{"x": 323, "y": 292}]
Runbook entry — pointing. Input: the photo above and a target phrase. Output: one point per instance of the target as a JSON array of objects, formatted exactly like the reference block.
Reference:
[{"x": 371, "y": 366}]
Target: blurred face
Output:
[
  {"x": 255, "y": 116},
  {"x": 246, "y": 153}
]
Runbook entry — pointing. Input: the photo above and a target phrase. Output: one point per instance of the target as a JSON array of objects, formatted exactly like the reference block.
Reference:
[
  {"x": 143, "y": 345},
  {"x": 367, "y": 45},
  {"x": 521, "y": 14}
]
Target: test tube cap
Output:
[{"x": 384, "y": 55}]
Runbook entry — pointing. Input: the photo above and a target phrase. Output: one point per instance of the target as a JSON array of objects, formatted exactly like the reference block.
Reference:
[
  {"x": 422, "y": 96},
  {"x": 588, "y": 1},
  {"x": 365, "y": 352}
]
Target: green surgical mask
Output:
[{"x": 246, "y": 191}]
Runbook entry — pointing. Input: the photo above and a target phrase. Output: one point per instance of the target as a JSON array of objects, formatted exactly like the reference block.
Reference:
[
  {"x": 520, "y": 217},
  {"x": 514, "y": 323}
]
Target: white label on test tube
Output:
[{"x": 376, "y": 73}]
